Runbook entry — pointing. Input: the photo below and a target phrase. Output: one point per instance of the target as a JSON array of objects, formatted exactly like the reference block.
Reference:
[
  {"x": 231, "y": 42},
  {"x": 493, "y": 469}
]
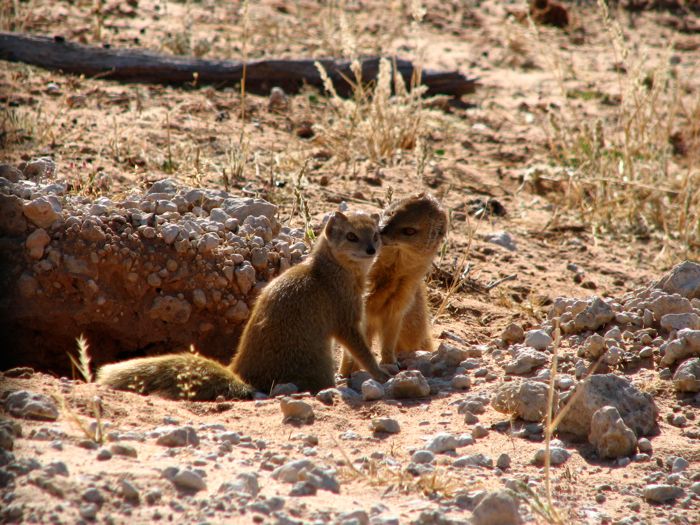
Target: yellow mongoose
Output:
[
  {"x": 289, "y": 334},
  {"x": 396, "y": 305}
]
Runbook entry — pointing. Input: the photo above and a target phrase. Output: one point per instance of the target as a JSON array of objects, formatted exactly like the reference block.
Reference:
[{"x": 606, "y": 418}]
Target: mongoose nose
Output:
[{"x": 371, "y": 250}]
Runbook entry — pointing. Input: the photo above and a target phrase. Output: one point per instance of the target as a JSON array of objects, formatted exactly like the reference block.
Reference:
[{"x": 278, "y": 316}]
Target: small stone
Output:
[
  {"x": 93, "y": 495},
  {"x": 503, "y": 461},
  {"x": 526, "y": 360},
  {"x": 407, "y": 384},
  {"x": 188, "y": 480},
  {"x": 129, "y": 491},
  {"x": 470, "y": 418},
  {"x": 473, "y": 460},
  {"x": 422, "y": 457},
  {"x": 88, "y": 511},
  {"x": 538, "y": 339},
  {"x": 479, "y": 431},
  {"x": 525, "y": 399},
  {"x": 179, "y": 437},
  {"x": 104, "y": 454},
  {"x": 497, "y": 508},
  {"x": 513, "y": 333},
  {"x": 303, "y": 488},
  {"x": 502, "y": 239},
  {"x": 687, "y": 376},
  {"x": 36, "y": 242},
  {"x": 243, "y": 483},
  {"x": 557, "y": 456},
  {"x": 296, "y": 410},
  {"x": 31, "y": 405},
  {"x": 385, "y": 424},
  {"x": 461, "y": 382},
  {"x": 372, "y": 390},
  {"x": 594, "y": 346},
  {"x": 644, "y": 445},
  {"x": 679, "y": 321},
  {"x": 42, "y": 211},
  {"x": 679, "y": 465},
  {"x": 660, "y": 493},
  {"x": 443, "y": 442},
  {"x": 609, "y": 434},
  {"x": 119, "y": 449}
]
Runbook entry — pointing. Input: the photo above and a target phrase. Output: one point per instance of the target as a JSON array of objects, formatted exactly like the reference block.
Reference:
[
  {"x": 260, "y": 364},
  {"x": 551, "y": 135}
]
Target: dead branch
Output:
[{"x": 137, "y": 65}]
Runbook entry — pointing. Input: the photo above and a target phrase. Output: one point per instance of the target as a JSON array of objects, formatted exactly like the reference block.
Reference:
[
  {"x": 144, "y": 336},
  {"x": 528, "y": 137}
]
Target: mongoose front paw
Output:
[
  {"x": 391, "y": 368},
  {"x": 381, "y": 376}
]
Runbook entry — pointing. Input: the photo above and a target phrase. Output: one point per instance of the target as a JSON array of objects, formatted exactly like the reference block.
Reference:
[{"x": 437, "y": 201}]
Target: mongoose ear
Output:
[{"x": 335, "y": 218}]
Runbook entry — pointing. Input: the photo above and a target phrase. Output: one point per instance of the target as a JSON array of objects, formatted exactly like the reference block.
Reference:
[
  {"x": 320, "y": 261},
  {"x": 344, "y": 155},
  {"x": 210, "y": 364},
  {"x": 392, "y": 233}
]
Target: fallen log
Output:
[{"x": 137, "y": 65}]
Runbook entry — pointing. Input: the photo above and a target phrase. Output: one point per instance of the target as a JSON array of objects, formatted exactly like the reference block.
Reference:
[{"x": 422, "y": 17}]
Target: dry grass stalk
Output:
[{"x": 82, "y": 364}]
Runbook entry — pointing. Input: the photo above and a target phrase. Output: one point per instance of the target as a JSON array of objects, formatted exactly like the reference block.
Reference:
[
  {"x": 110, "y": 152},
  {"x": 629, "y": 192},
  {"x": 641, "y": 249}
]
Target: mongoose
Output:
[
  {"x": 396, "y": 305},
  {"x": 288, "y": 338}
]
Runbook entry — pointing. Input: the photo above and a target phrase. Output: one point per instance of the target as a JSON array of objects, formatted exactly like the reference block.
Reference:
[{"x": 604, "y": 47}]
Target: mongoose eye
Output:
[
  {"x": 408, "y": 231},
  {"x": 376, "y": 237},
  {"x": 351, "y": 237}
]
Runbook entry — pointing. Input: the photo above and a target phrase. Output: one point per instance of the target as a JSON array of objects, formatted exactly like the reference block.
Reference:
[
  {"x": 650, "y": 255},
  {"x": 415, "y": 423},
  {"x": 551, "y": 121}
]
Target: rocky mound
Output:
[{"x": 149, "y": 273}]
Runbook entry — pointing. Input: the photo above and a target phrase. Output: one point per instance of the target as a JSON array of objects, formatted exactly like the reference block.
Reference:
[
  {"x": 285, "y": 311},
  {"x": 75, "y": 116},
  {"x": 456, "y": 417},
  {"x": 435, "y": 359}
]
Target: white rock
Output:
[
  {"x": 679, "y": 321},
  {"x": 385, "y": 424},
  {"x": 687, "y": 376},
  {"x": 538, "y": 339},
  {"x": 524, "y": 399},
  {"x": 525, "y": 361},
  {"x": 443, "y": 442},
  {"x": 609, "y": 434},
  {"x": 372, "y": 390},
  {"x": 36, "y": 242},
  {"x": 497, "y": 508},
  {"x": 42, "y": 211},
  {"x": 296, "y": 410}
]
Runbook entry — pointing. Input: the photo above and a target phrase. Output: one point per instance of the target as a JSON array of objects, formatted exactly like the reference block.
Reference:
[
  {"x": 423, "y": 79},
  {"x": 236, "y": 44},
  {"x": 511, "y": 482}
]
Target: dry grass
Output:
[{"x": 620, "y": 173}]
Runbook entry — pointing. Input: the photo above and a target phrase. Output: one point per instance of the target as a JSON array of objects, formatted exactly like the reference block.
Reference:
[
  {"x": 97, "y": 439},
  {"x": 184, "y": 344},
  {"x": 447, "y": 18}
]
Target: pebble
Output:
[
  {"x": 372, "y": 390},
  {"x": 513, "y": 333},
  {"x": 31, "y": 405},
  {"x": 422, "y": 457},
  {"x": 557, "y": 456},
  {"x": 538, "y": 339},
  {"x": 103, "y": 454},
  {"x": 461, "y": 382},
  {"x": 407, "y": 384},
  {"x": 178, "y": 437},
  {"x": 129, "y": 491},
  {"x": 385, "y": 424},
  {"x": 88, "y": 511},
  {"x": 525, "y": 399},
  {"x": 443, "y": 442},
  {"x": 497, "y": 508},
  {"x": 660, "y": 493},
  {"x": 296, "y": 410},
  {"x": 609, "y": 434},
  {"x": 188, "y": 480},
  {"x": 503, "y": 239},
  {"x": 525, "y": 361},
  {"x": 119, "y": 449},
  {"x": 473, "y": 460},
  {"x": 503, "y": 462},
  {"x": 687, "y": 376},
  {"x": 479, "y": 431}
]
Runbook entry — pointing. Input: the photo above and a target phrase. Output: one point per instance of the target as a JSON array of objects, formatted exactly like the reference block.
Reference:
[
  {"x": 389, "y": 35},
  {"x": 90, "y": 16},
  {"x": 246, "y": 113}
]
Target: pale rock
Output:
[
  {"x": 609, "y": 434},
  {"x": 450, "y": 354},
  {"x": 636, "y": 408},
  {"x": 679, "y": 321},
  {"x": 669, "y": 304},
  {"x": 170, "y": 309},
  {"x": 385, "y": 424},
  {"x": 461, "y": 382},
  {"x": 189, "y": 480},
  {"x": 296, "y": 410},
  {"x": 497, "y": 508},
  {"x": 524, "y": 399},
  {"x": 513, "y": 333},
  {"x": 36, "y": 242},
  {"x": 682, "y": 279},
  {"x": 372, "y": 390},
  {"x": 525, "y": 361},
  {"x": 557, "y": 456},
  {"x": 538, "y": 339},
  {"x": 31, "y": 405},
  {"x": 687, "y": 376},
  {"x": 661, "y": 493},
  {"x": 443, "y": 442},
  {"x": 503, "y": 239},
  {"x": 407, "y": 384},
  {"x": 594, "y": 346},
  {"x": 42, "y": 211}
]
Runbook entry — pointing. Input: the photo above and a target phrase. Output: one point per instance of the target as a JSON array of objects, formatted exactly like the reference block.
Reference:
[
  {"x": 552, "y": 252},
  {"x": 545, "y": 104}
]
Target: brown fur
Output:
[
  {"x": 288, "y": 336},
  {"x": 396, "y": 305}
]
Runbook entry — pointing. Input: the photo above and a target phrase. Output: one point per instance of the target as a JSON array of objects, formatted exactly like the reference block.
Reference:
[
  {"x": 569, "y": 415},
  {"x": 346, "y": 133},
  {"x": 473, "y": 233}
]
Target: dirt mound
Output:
[{"x": 151, "y": 273}]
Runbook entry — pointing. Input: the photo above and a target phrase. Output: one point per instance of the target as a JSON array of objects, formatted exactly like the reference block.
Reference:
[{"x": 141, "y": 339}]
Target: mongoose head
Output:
[
  {"x": 353, "y": 237},
  {"x": 417, "y": 224}
]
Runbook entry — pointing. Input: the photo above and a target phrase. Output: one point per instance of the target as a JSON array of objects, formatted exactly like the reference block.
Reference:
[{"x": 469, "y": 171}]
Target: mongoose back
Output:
[
  {"x": 288, "y": 338},
  {"x": 396, "y": 305}
]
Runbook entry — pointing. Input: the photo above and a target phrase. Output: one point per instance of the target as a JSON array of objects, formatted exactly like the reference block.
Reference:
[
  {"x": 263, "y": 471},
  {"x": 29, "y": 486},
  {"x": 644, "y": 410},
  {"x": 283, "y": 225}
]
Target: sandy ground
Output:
[{"x": 107, "y": 137}]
